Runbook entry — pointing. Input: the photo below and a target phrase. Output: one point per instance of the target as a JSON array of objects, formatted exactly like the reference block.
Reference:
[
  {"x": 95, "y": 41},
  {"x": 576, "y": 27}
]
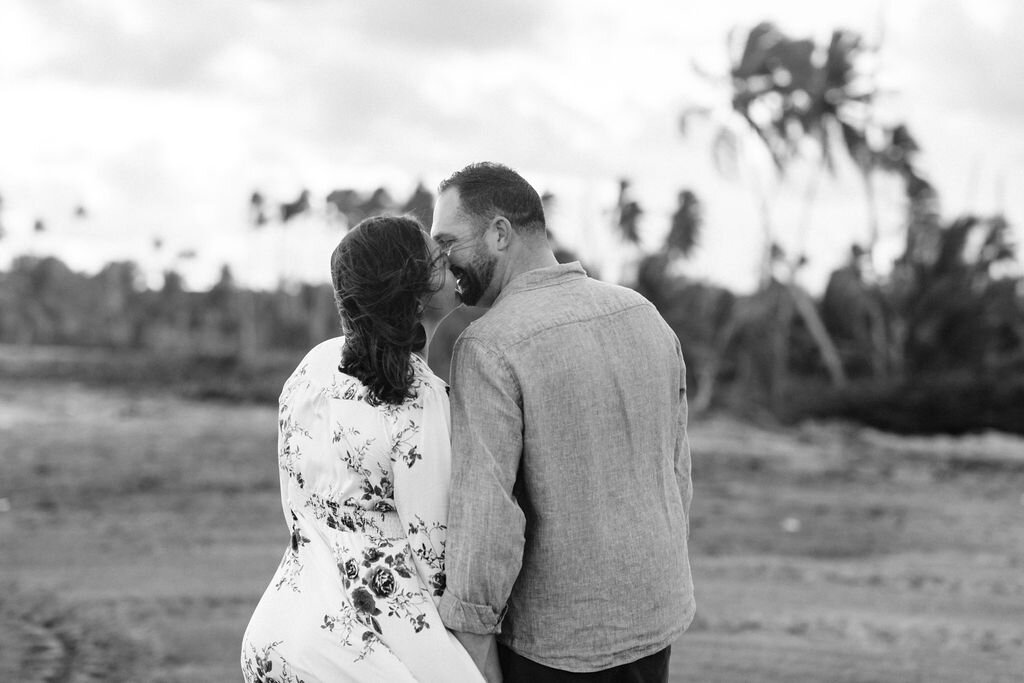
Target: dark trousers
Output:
[{"x": 518, "y": 669}]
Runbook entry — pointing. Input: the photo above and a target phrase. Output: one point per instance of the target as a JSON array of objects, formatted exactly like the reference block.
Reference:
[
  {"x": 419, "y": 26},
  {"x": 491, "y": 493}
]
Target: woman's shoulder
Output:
[
  {"x": 320, "y": 366},
  {"x": 319, "y": 372},
  {"x": 324, "y": 359},
  {"x": 326, "y": 354},
  {"x": 426, "y": 379}
]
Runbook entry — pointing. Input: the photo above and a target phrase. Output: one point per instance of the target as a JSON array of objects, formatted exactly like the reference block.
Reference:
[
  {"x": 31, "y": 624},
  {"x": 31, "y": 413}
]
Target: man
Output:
[{"x": 571, "y": 489}]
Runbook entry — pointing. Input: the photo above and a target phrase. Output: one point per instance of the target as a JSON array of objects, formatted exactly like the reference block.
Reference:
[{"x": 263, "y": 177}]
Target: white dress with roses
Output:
[{"x": 364, "y": 488}]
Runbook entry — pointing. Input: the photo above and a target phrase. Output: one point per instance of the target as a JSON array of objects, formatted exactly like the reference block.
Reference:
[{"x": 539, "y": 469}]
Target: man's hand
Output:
[{"x": 483, "y": 650}]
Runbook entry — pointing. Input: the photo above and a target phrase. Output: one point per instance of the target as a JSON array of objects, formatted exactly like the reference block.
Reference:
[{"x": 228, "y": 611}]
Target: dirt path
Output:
[{"x": 138, "y": 531}]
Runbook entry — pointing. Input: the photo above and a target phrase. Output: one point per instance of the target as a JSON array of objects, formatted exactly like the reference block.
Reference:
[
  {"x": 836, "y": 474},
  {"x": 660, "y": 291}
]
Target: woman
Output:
[{"x": 363, "y": 449}]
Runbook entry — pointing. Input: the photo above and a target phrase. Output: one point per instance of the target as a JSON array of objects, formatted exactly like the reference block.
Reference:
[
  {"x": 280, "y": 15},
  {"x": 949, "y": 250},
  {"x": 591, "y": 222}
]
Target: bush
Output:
[{"x": 947, "y": 404}]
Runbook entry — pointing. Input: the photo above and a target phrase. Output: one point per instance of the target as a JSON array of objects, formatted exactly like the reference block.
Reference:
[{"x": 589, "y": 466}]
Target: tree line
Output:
[
  {"x": 43, "y": 301},
  {"x": 944, "y": 314}
]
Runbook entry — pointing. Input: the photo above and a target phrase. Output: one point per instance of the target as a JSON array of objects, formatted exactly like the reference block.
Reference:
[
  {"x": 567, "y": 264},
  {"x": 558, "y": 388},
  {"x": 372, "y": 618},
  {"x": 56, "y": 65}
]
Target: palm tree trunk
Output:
[
  {"x": 765, "y": 276},
  {"x": 810, "y": 196},
  {"x": 873, "y": 231},
  {"x": 247, "y": 334},
  {"x": 783, "y": 324},
  {"x": 707, "y": 374},
  {"x": 826, "y": 347}
]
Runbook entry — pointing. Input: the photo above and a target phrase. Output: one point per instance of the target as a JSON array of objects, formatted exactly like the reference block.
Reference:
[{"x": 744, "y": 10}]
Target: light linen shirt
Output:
[{"x": 570, "y": 497}]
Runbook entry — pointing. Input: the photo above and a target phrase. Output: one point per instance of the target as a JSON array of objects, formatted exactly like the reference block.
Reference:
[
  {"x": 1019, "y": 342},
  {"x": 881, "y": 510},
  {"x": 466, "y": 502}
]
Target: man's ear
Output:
[{"x": 502, "y": 232}]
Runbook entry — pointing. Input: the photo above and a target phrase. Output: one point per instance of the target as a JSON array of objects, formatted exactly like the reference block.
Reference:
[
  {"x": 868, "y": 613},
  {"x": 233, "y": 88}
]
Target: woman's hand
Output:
[
  {"x": 492, "y": 665},
  {"x": 483, "y": 650}
]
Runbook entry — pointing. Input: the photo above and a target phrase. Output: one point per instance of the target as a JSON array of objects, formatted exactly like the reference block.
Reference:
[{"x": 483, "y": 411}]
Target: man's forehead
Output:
[
  {"x": 443, "y": 207},
  {"x": 450, "y": 221},
  {"x": 448, "y": 202}
]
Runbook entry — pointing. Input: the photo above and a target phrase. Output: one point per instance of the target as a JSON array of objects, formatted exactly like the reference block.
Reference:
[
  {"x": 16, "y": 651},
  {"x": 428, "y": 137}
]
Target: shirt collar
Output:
[{"x": 541, "y": 277}]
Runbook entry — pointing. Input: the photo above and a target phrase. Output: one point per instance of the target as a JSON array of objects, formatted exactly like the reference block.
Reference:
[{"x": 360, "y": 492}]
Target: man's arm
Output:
[
  {"x": 682, "y": 454},
  {"x": 486, "y": 526}
]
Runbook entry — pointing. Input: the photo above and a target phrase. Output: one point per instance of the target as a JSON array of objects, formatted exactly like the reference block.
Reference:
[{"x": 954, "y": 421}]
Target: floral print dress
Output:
[{"x": 364, "y": 487}]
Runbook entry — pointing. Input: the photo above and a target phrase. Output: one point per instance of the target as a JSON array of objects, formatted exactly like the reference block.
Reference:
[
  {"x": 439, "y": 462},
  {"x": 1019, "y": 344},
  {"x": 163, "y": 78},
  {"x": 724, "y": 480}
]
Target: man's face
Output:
[
  {"x": 444, "y": 299},
  {"x": 462, "y": 239}
]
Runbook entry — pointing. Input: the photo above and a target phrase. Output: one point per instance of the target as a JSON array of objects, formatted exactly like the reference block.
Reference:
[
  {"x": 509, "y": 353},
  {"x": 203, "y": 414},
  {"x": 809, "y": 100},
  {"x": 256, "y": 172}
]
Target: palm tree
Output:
[
  {"x": 788, "y": 98},
  {"x": 257, "y": 209},
  {"x": 299, "y": 206},
  {"x": 854, "y": 311},
  {"x": 355, "y": 206},
  {"x": 627, "y": 213},
  {"x": 345, "y": 203},
  {"x": 420, "y": 205},
  {"x": 694, "y": 310},
  {"x": 684, "y": 231},
  {"x": 781, "y": 97}
]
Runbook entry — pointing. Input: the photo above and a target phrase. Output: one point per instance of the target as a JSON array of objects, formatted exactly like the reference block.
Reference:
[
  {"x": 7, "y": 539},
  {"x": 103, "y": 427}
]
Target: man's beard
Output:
[{"x": 472, "y": 281}]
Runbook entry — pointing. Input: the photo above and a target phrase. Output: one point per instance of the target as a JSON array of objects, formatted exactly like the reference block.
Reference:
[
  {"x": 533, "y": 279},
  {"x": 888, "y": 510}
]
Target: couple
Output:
[{"x": 538, "y": 531}]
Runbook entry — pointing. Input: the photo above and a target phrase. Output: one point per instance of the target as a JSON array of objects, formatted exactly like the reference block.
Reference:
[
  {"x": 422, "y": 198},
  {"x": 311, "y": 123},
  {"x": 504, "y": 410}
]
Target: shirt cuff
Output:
[{"x": 468, "y": 617}]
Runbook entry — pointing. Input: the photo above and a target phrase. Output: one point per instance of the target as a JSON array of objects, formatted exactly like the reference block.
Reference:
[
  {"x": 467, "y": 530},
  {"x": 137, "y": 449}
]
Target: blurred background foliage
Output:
[{"x": 931, "y": 342}]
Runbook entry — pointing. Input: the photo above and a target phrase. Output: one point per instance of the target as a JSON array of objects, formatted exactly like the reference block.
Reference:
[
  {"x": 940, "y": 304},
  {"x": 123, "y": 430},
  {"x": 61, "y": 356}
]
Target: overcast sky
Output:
[{"x": 161, "y": 117}]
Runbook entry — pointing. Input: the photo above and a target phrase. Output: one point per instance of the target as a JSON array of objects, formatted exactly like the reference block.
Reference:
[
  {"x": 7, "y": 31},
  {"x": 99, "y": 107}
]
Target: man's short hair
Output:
[{"x": 487, "y": 189}]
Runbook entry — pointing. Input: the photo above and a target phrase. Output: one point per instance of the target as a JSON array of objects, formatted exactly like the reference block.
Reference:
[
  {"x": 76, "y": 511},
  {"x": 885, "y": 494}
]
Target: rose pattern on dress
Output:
[
  {"x": 379, "y": 491},
  {"x": 298, "y": 539},
  {"x": 438, "y": 582},
  {"x": 382, "y": 582},
  {"x": 350, "y": 389},
  {"x": 258, "y": 667},
  {"x": 427, "y": 541},
  {"x": 403, "y": 448},
  {"x": 370, "y": 576},
  {"x": 346, "y": 516},
  {"x": 349, "y": 571},
  {"x": 384, "y": 575},
  {"x": 348, "y": 623},
  {"x": 363, "y": 601},
  {"x": 291, "y": 565}
]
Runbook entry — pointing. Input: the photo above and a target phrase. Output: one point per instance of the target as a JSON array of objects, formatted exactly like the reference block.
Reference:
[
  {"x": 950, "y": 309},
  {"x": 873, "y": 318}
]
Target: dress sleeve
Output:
[{"x": 422, "y": 468}]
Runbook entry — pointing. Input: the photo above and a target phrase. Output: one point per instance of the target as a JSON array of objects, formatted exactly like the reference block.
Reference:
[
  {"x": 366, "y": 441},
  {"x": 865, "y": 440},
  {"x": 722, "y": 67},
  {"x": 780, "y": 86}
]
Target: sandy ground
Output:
[{"x": 137, "y": 532}]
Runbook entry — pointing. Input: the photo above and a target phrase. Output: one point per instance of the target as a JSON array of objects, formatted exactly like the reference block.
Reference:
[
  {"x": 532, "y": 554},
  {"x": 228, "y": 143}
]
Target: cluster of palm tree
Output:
[
  {"x": 801, "y": 104},
  {"x": 43, "y": 301},
  {"x": 39, "y": 224},
  {"x": 344, "y": 204}
]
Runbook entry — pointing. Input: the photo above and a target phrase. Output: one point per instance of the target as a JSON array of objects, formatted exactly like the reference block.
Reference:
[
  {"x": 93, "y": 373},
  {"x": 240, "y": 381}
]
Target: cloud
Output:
[
  {"x": 171, "y": 111},
  {"x": 157, "y": 44},
  {"x": 171, "y": 43},
  {"x": 452, "y": 25},
  {"x": 959, "y": 62},
  {"x": 341, "y": 75},
  {"x": 960, "y": 86}
]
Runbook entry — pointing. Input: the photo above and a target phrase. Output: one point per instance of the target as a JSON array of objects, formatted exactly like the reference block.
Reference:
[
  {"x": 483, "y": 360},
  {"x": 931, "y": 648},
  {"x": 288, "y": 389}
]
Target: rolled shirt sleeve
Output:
[{"x": 485, "y": 523}]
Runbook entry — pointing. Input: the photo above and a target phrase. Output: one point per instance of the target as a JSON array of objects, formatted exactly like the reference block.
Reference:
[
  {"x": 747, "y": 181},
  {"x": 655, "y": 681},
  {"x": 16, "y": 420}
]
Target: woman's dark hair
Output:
[{"x": 381, "y": 270}]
